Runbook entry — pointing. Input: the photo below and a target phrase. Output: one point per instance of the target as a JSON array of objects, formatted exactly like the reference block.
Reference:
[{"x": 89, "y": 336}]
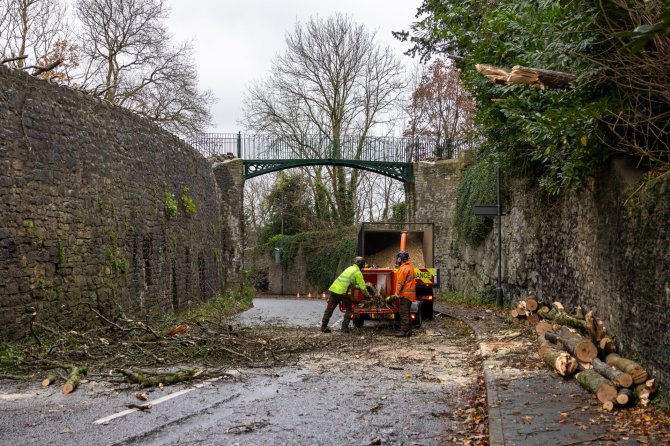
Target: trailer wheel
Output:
[
  {"x": 358, "y": 321},
  {"x": 427, "y": 310}
]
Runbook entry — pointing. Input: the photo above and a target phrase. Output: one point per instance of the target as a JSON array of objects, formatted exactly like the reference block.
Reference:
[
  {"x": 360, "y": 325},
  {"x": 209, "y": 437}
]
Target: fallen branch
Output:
[
  {"x": 73, "y": 379},
  {"x": 39, "y": 70},
  {"x": 534, "y": 77}
]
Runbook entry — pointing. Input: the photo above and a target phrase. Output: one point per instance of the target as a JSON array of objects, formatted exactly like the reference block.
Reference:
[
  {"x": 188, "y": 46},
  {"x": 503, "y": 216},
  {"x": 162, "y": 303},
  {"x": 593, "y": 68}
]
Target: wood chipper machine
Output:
[{"x": 379, "y": 244}]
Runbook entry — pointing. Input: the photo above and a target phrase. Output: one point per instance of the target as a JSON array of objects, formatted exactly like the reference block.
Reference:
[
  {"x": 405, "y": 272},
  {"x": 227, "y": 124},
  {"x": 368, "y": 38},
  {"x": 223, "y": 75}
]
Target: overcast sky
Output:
[{"x": 235, "y": 41}]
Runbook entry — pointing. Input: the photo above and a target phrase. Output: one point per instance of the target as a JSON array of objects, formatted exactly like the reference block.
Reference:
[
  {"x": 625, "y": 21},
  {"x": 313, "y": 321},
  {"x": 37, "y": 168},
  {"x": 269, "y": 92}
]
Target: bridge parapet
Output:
[{"x": 319, "y": 147}]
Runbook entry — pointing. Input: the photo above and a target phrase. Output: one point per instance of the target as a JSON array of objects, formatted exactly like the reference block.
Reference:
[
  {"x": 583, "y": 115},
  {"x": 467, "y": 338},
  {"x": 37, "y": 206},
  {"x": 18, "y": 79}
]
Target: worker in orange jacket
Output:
[{"x": 406, "y": 292}]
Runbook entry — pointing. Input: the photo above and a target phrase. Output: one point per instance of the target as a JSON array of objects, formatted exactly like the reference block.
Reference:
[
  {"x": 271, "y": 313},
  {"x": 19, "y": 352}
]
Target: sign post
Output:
[{"x": 495, "y": 210}]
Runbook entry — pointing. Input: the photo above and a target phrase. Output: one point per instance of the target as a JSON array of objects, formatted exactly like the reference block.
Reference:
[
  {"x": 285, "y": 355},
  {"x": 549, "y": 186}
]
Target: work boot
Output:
[
  {"x": 346, "y": 330},
  {"x": 325, "y": 330}
]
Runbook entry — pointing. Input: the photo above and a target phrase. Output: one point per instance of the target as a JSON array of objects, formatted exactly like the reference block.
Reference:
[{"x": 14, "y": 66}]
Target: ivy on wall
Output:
[
  {"x": 326, "y": 253},
  {"x": 476, "y": 186}
]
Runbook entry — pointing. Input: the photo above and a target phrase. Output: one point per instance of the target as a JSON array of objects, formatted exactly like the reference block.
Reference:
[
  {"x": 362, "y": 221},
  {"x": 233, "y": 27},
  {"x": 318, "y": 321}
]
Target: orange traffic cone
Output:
[
  {"x": 309, "y": 295},
  {"x": 297, "y": 296}
]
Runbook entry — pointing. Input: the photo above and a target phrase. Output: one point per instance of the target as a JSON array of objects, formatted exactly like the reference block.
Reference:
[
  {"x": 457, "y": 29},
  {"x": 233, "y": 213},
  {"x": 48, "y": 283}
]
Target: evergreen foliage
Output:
[{"x": 558, "y": 137}]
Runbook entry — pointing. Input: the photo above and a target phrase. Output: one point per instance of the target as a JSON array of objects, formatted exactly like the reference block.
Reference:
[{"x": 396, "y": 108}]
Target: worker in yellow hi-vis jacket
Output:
[{"x": 339, "y": 292}]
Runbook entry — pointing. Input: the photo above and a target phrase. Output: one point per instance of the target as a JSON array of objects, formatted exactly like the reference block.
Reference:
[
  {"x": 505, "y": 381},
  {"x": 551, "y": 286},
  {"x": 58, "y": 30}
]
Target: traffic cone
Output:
[
  {"x": 323, "y": 295},
  {"x": 297, "y": 296},
  {"x": 309, "y": 296}
]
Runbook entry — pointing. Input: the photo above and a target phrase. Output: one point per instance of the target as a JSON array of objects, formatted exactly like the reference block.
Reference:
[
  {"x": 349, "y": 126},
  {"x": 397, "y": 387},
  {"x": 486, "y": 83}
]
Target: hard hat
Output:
[
  {"x": 360, "y": 261},
  {"x": 403, "y": 256}
]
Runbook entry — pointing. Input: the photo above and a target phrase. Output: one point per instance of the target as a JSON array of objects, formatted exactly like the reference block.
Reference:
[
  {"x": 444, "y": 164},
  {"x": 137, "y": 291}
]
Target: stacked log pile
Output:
[{"x": 574, "y": 343}]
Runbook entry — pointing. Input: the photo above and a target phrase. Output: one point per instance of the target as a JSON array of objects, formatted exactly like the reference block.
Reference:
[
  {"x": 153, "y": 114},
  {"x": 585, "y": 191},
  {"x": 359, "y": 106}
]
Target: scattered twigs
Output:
[
  {"x": 40, "y": 70},
  {"x": 138, "y": 326}
]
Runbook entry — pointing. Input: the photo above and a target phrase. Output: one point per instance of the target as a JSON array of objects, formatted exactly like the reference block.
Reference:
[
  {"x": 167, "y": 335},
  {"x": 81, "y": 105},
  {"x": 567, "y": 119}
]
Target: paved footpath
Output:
[{"x": 528, "y": 404}]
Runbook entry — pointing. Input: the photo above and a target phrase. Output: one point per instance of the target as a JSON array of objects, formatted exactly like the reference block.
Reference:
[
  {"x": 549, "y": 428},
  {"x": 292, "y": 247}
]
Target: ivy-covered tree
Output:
[
  {"x": 288, "y": 207},
  {"x": 615, "y": 103}
]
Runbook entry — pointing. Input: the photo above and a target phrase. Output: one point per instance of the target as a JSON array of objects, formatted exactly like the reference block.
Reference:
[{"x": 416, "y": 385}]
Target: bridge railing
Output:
[{"x": 350, "y": 147}]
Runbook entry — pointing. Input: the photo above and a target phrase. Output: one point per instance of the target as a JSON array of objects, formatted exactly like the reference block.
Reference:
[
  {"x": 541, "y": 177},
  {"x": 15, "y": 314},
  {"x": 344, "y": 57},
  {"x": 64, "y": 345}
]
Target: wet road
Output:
[{"x": 391, "y": 392}]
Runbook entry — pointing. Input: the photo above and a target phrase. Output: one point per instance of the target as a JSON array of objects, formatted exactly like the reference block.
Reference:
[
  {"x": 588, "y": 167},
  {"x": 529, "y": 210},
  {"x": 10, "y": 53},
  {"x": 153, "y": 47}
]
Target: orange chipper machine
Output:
[{"x": 379, "y": 243}]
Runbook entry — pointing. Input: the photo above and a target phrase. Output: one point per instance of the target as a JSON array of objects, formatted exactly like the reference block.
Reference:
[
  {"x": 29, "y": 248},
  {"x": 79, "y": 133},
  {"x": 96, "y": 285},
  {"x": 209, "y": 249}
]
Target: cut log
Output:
[
  {"x": 532, "y": 319},
  {"x": 73, "y": 379},
  {"x": 642, "y": 394},
  {"x": 608, "y": 406},
  {"x": 580, "y": 347},
  {"x": 595, "y": 327},
  {"x": 543, "y": 310},
  {"x": 544, "y": 343},
  {"x": 565, "y": 319},
  {"x": 584, "y": 366},
  {"x": 50, "y": 379},
  {"x": 606, "y": 346},
  {"x": 551, "y": 336},
  {"x": 542, "y": 327},
  {"x": 560, "y": 361},
  {"x": 594, "y": 382},
  {"x": 624, "y": 397},
  {"x": 635, "y": 370},
  {"x": 531, "y": 304},
  {"x": 615, "y": 375},
  {"x": 519, "y": 314}
]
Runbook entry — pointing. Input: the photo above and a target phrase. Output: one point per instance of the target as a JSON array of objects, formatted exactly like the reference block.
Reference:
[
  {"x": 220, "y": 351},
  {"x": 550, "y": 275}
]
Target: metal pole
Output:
[
  {"x": 282, "y": 233},
  {"x": 499, "y": 293},
  {"x": 239, "y": 144}
]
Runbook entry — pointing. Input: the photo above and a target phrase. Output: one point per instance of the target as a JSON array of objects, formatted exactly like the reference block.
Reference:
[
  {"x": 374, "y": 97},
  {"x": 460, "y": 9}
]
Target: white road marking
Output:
[
  {"x": 332, "y": 324},
  {"x": 155, "y": 402}
]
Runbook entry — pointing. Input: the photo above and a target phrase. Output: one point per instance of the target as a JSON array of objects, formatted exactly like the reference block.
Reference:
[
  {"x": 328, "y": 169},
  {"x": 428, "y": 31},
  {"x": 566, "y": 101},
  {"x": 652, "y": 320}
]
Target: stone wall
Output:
[
  {"x": 606, "y": 249},
  {"x": 83, "y": 220}
]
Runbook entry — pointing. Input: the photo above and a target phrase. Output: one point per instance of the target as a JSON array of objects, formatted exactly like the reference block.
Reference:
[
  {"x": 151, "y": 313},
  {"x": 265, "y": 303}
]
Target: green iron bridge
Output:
[{"x": 389, "y": 156}]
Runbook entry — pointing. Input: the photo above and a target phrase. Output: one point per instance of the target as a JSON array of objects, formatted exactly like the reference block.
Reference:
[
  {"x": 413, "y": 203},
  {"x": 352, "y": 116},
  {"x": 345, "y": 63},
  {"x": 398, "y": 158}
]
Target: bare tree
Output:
[
  {"x": 441, "y": 108},
  {"x": 130, "y": 62},
  {"x": 30, "y": 30},
  {"x": 333, "y": 80}
]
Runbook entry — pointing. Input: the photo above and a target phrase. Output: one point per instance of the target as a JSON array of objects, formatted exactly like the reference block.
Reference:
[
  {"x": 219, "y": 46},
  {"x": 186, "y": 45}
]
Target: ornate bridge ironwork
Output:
[{"x": 389, "y": 156}]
